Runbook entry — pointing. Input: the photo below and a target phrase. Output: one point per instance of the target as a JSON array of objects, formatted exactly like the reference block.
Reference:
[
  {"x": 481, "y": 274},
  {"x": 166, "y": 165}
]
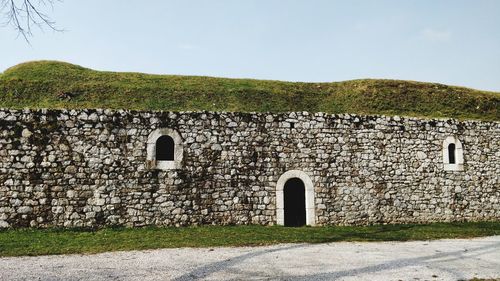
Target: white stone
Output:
[
  {"x": 26, "y": 133},
  {"x": 421, "y": 155}
]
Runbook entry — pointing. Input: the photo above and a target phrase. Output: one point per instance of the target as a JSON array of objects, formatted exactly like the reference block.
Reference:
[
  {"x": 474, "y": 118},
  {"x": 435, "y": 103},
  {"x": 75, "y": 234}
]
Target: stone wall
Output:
[{"x": 76, "y": 168}]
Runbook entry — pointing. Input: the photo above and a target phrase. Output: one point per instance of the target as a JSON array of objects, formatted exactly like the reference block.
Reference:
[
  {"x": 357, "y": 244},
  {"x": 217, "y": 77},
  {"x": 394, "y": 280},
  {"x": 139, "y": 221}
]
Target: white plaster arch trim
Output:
[
  {"x": 459, "y": 154},
  {"x": 309, "y": 190},
  {"x": 151, "y": 161}
]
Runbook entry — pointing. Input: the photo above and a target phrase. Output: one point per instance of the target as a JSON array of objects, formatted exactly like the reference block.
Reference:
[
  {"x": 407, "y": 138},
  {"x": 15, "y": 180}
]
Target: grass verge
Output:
[{"x": 33, "y": 242}]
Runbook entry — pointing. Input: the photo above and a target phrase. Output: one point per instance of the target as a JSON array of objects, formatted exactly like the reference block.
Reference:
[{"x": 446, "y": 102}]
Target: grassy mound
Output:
[{"x": 50, "y": 84}]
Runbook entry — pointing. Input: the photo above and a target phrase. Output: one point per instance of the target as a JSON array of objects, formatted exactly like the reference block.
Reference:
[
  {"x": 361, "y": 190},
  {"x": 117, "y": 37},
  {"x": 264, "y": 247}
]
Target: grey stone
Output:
[
  {"x": 364, "y": 169},
  {"x": 4, "y": 224},
  {"x": 24, "y": 210}
]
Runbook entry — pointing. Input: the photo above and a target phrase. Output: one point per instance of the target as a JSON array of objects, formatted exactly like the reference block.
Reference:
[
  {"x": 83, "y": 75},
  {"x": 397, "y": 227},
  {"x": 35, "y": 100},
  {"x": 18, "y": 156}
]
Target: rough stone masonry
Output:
[{"x": 89, "y": 168}]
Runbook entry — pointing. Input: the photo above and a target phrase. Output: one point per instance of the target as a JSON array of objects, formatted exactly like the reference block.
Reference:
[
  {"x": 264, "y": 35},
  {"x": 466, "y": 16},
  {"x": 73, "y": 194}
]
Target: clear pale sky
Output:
[{"x": 447, "y": 41}]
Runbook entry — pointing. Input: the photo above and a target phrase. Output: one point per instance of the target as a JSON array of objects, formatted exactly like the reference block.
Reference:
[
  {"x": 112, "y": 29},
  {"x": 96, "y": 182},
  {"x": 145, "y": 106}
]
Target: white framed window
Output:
[
  {"x": 453, "y": 154},
  {"x": 164, "y": 149}
]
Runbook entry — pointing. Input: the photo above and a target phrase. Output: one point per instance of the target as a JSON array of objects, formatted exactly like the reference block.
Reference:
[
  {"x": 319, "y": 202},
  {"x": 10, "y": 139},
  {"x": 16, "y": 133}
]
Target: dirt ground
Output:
[{"x": 459, "y": 259}]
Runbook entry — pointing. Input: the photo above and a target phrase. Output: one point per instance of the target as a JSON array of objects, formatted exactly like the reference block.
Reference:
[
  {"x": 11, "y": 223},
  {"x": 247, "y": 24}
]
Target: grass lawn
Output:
[{"x": 72, "y": 241}]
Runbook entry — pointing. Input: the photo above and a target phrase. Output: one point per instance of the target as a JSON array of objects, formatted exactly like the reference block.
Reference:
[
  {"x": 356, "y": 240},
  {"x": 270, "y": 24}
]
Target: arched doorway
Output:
[
  {"x": 295, "y": 202},
  {"x": 292, "y": 187}
]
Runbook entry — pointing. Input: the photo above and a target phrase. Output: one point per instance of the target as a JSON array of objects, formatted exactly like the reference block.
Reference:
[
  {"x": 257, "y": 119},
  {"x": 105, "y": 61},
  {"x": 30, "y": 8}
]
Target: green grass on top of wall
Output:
[{"x": 51, "y": 84}]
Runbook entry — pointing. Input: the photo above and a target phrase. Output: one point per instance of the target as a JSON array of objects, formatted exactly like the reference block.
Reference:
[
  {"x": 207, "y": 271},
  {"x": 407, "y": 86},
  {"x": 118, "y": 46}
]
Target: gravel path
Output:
[{"x": 420, "y": 260}]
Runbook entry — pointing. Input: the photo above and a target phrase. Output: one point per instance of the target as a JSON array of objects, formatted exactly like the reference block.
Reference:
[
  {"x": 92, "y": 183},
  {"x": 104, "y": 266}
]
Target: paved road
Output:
[{"x": 421, "y": 260}]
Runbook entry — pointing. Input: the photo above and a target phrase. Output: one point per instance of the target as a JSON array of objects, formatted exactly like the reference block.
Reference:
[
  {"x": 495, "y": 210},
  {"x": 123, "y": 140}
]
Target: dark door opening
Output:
[{"x": 295, "y": 202}]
